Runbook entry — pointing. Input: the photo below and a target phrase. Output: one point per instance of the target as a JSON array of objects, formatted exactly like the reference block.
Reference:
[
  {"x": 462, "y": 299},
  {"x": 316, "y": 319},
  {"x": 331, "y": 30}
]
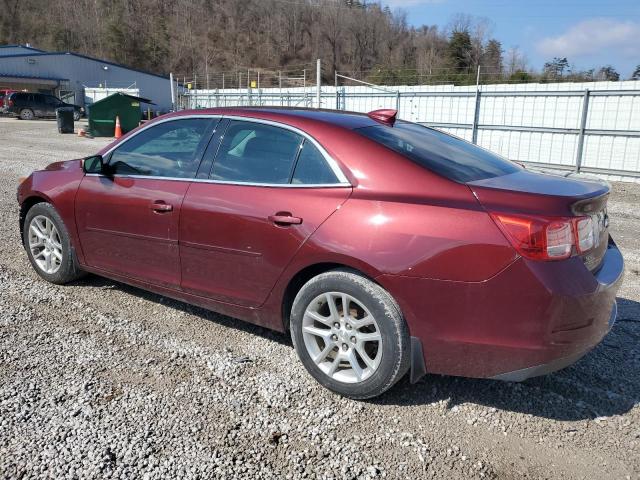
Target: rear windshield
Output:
[{"x": 444, "y": 154}]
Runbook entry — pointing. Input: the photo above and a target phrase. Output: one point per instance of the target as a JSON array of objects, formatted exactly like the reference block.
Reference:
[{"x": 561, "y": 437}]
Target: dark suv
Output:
[{"x": 28, "y": 106}]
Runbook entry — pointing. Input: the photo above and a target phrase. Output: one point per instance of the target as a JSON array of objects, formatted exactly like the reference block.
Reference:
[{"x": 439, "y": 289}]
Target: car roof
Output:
[{"x": 292, "y": 115}]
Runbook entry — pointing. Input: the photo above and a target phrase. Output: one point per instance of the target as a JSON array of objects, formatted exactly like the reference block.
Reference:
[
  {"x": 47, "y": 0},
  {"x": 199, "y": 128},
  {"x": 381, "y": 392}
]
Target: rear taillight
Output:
[{"x": 546, "y": 238}]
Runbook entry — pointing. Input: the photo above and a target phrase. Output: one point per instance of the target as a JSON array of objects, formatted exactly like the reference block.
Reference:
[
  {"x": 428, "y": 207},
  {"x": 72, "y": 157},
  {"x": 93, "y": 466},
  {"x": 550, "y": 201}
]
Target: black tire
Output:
[
  {"x": 68, "y": 270},
  {"x": 76, "y": 115},
  {"x": 26, "y": 114},
  {"x": 391, "y": 324}
]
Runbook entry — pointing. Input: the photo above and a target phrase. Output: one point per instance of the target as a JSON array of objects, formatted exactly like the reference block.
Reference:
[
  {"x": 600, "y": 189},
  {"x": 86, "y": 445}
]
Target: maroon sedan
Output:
[{"x": 383, "y": 246}]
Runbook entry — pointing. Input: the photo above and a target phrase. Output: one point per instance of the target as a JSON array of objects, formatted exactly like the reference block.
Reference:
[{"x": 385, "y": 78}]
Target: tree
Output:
[
  {"x": 636, "y": 74},
  {"x": 520, "y": 76},
  {"x": 459, "y": 50},
  {"x": 492, "y": 58},
  {"x": 515, "y": 61},
  {"x": 608, "y": 73},
  {"x": 556, "y": 68}
]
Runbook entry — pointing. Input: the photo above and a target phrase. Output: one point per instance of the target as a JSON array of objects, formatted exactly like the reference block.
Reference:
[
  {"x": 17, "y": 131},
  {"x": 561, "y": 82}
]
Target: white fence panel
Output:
[
  {"x": 538, "y": 123},
  {"x": 92, "y": 95}
]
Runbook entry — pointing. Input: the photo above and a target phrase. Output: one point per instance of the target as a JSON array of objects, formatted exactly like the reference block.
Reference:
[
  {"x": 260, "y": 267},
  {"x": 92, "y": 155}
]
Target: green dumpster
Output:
[{"x": 102, "y": 114}]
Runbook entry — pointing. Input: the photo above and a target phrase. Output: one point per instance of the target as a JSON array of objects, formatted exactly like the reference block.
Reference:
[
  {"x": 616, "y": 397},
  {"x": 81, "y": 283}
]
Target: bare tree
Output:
[{"x": 515, "y": 61}]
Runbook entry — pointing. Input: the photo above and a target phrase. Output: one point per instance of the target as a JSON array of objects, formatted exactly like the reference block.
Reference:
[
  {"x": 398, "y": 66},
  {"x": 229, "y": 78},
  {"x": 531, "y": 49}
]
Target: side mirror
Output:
[{"x": 94, "y": 164}]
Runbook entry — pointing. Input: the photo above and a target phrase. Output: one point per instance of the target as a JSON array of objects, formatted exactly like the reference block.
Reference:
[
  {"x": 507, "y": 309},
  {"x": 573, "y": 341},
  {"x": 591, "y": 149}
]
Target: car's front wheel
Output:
[
  {"x": 48, "y": 246},
  {"x": 350, "y": 334},
  {"x": 76, "y": 115}
]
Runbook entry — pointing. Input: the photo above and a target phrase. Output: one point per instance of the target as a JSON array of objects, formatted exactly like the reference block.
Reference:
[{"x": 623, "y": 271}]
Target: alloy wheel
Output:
[
  {"x": 45, "y": 244},
  {"x": 342, "y": 337}
]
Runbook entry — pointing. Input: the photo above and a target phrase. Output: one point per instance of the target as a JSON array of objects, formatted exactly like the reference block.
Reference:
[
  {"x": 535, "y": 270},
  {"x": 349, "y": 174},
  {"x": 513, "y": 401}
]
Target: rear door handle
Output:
[
  {"x": 160, "y": 207},
  {"x": 285, "y": 218}
]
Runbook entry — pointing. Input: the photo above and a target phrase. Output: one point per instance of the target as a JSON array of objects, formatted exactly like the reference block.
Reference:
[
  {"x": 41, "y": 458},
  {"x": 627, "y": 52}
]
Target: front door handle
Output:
[
  {"x": 160, "y": 207},
  {"x": 285, "y": 218}
]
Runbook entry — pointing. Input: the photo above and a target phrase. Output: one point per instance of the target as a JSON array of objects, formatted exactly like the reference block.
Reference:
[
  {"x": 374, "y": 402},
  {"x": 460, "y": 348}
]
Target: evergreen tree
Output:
[
  {"x": 459, "y": 50},
  {"x": 556, "y": 68},
  {"x": 492, "y": 61},
  {"x": 608, "y": 73}
]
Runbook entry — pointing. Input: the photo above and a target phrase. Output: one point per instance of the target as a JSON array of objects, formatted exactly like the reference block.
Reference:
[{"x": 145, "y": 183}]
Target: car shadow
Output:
[
  {"x": 229, "y": 322},
  {"x": 605, "y": 382}
]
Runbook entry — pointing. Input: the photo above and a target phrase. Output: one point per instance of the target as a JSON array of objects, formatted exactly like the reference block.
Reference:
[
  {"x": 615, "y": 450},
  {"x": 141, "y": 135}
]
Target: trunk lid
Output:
[{"x": 537, "y": 193}]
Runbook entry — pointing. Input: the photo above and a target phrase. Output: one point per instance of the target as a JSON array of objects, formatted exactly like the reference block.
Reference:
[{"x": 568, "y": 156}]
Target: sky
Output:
[{"x": 589, "y": 33}]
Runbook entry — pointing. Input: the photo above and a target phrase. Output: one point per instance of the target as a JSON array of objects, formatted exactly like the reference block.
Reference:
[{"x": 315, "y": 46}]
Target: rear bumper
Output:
[
  {"x": 531, "y": 319},
  {"x": 551, "y": 366}
]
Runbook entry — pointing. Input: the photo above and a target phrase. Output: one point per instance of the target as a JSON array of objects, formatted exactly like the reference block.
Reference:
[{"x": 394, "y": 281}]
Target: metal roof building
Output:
[{"x": 67, "y": 74}]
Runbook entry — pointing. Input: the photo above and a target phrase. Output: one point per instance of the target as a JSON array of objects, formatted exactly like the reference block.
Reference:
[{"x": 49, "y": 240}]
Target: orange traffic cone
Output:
[{"x": 118, "y": 132}]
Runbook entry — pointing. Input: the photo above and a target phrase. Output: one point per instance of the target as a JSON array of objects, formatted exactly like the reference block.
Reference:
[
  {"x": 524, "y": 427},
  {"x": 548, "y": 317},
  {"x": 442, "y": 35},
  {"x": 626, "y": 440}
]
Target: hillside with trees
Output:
[{"x": 191, "y": 37}]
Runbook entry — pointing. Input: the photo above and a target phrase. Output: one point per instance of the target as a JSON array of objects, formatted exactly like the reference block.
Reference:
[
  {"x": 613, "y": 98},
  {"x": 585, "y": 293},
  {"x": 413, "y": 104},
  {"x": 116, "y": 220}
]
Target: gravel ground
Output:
[{"x": 102, "y": 380}]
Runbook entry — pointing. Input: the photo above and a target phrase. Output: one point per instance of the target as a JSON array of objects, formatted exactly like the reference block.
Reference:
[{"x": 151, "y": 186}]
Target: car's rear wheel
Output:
[
  {"x": 76, "y": 116},
  {"x": 26, "y": 114},
  {"x": 350, "y": 334},
  {"x": 48, "y": 246}
]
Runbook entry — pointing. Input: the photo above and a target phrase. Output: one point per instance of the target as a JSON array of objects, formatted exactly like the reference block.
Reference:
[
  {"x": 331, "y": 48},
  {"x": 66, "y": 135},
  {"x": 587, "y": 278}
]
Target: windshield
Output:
[{"x": 444, "y": 154}]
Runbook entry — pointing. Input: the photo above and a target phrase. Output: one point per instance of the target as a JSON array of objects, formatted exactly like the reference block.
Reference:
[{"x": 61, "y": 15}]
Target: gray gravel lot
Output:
[{"x": 102, "y": 380}]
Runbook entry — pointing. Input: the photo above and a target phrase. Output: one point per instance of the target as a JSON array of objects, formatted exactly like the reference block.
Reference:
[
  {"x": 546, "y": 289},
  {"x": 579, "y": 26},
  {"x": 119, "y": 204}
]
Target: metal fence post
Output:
[
  {"x": 173, "y": 92},
  {"x": 476, "y": 112},
  {"x": 248, "y": 87},
  {"x": 398, "y": 103},
  {"x": 476, "y": 118},
  {"x": 335, "y": 83},
  {"x": 583, "y": 126},
  {"x": 318, "y": 82}
]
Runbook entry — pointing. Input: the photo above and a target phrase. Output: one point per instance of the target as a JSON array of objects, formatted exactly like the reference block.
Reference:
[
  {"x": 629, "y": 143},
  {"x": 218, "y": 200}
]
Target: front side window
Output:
[
  {"x": 256, "y": 153},
  {"x": 444, "y": 154},
  {"x": 169, "y": 149}
]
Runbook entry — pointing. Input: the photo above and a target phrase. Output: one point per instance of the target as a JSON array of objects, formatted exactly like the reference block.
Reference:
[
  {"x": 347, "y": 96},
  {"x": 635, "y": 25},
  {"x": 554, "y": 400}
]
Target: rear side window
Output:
[
  {"x": 256, "y": 153},
  {"x": 312, "y": 168},
  {"x": 168, "y": 149},
  {"x": 51, "y": 100},
  {"x": 439, "y": 152}
]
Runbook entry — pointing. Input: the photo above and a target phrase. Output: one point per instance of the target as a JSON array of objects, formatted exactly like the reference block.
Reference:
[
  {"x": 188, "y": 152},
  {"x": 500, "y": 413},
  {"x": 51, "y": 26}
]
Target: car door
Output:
[
  {"x": 269, "y": 189},
  {"x": 50, "y": 105},
  {"x": 128, "y": 220},
  {"x": 35, "y": 101}
]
